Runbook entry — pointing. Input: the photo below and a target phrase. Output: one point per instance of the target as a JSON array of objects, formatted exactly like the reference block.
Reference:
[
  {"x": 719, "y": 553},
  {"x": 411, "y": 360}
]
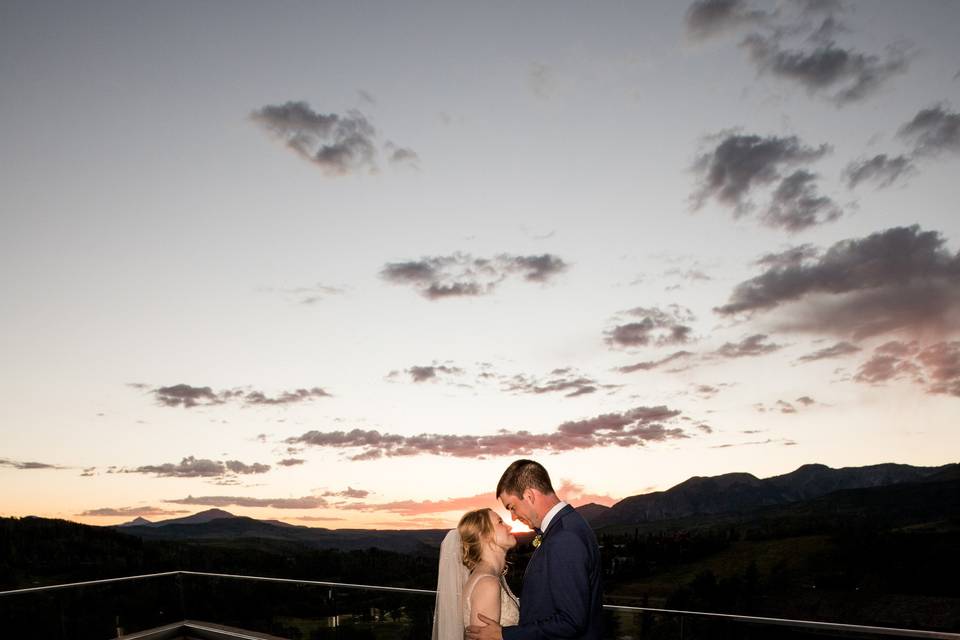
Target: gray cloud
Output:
[
  {"x": 27, "y": 466},
  {"x": 191, "y": 467},
  {"x": 689, "y": 274},
  {"x": 338, "y": 144},
  {"x": 846, "y": 75},
  {"x": 935, "y": 367},
  {"x": 184, "y": 395},
  {"x": 565, "y": 380},
  {"x": 291, "y": 462},
  {"x": 890, "y": 361},
  {"x": 795, "y": 204},
  {"x": 708, "y": 18},
  {"x": 933, "y": 131},
  {"x": 790, "y": 257},
  {"x": 131, "y": 512},
  {"x": 654, "y": 364},
  {"x": 402, "y": 155},
  {"x": 901, "y": 278},
  {"x": 739, "y": 164},
  {"x": 429, "y": 373},
  {"x": 755, "y": 345},
  {"x": 349, "y": 492},
  {"x": 655, "y": 327},
  {"x": 941, "y": 362},
  {"x": 187, "y": 396},
  {"x": 838, "y": 350},
  {"x": 881, "y": 169},
  {"x": 305, "y": 502},
  {"x": 463, "y": 275},
  {"x": 635, "y": 427}
]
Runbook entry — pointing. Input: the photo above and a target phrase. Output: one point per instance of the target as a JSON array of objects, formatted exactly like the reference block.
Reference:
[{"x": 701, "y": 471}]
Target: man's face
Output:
[{"x": 521, "y": 508}]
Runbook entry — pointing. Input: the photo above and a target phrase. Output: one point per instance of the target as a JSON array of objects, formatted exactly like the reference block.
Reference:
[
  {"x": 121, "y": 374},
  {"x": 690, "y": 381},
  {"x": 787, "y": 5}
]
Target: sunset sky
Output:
[{"x": 339, "y": 264}]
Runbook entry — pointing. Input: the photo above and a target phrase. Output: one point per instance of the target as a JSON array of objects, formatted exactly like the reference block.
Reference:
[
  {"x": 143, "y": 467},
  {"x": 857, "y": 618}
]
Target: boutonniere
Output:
[{"x": 537, "y": 540}]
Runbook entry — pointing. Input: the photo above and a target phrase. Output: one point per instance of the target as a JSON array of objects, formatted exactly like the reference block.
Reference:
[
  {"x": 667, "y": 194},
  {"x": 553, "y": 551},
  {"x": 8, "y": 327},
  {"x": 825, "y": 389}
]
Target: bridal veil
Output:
[{"x": 451, "y": 576}]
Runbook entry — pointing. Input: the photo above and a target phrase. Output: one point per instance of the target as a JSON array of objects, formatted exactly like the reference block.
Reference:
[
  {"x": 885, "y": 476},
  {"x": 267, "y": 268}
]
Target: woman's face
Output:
[{"x": 502, "y": 532}]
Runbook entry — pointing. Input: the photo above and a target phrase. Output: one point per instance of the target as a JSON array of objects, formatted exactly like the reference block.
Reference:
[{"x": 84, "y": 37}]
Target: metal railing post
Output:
[{"x": 183, "y": 606}]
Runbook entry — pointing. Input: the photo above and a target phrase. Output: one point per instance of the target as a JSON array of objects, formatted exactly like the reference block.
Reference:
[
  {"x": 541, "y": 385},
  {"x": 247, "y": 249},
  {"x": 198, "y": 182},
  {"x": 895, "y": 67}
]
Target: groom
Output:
[{"x": 561, "y": 595}]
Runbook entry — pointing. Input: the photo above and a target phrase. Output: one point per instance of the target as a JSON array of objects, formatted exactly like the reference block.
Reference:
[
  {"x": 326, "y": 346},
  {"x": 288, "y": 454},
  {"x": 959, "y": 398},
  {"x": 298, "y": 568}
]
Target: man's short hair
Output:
[{"x": 522, "y": 475}]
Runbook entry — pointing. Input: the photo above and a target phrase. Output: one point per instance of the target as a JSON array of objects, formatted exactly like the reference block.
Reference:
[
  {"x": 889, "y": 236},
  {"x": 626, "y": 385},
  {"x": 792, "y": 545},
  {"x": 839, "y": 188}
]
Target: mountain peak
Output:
[{"x": 139, "y": 521}]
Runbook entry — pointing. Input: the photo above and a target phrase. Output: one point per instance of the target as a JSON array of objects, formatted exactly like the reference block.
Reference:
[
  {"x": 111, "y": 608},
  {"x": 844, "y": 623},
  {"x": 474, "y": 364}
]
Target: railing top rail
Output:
[
  {"x": 51, "y": 587},
  {"x": 808, "y": 624},
  {"x": 320, "y": 583}
]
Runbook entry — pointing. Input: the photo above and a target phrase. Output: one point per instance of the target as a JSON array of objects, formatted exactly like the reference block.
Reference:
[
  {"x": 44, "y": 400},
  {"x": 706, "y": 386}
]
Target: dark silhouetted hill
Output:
[{"x": 742, "y": 492}]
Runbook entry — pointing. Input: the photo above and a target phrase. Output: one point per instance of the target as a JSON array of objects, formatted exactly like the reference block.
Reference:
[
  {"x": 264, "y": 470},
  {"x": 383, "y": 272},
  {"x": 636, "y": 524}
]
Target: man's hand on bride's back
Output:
[{"x": 489, "y": 631}]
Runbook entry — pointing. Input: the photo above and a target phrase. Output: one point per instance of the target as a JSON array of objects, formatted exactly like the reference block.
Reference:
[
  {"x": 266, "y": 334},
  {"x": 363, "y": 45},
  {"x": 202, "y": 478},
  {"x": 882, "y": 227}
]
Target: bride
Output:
[{"x": 473, "y": 560}]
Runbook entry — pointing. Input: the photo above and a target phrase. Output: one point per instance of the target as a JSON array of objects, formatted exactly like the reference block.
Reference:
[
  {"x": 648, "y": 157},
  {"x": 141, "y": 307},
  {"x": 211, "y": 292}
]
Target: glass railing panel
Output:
[
  {"x": 92, "y": 611},
  {"x": 308, "y": 611}
]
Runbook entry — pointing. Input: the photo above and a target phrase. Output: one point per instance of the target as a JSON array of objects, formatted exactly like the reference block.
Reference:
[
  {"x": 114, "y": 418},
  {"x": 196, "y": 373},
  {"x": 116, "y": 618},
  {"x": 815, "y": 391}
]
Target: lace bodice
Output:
[{"x": 509, "y": 604}]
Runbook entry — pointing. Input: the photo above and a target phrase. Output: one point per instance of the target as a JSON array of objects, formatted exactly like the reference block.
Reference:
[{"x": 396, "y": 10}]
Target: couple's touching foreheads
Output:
[{"x": 562, "y": 596}]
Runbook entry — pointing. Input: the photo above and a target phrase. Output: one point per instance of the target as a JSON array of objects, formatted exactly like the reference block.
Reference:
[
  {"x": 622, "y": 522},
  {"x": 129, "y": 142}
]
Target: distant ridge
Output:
[
  {"x": 200, "y": 517},
  {"x": 592, "y": 511},
  {"x": 739, "y": 492},
  {"x": 137, "y": 522}
]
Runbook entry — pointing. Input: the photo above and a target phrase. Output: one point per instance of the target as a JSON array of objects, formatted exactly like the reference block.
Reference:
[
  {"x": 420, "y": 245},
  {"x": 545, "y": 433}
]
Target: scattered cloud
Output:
[
  {"x": 890, "y": 361},
  {"x": 933, "y": 131},
  {"x": 935, "y": 367},
  {"x": 795, "y": 204},
  {"x": 844, "y": 75},
  {"x": 838, "y": 350},
  {"x": 634, "y": 427},
  {"x": 654, "y": 364},
  {"x": 708, "y": 18},
  {"x": 305, "y": 502},
  {"x": 755, "y": 345},
  {"x": 16, "y": 464},
  {"x": 428, "y": 373},
  {"x": 191, "y": 467},
  {"x": 464, "y": 275},
  {"x": 402, "y": 156},
  {"x": 789, "y": 257},
  {"x": 941, "y": 363},
  {"x": 901, "y": 278},
  {"x": 187, "y": 396},
  {"x": 741, "y": 164},
  {"x": 349, "y": 492},
  {"x": 291, "y": 462},
  {"x": 566, "y": 380},
  {"x": 338, "y": 144},
  {"x": 654, "y": 327},
  {"x": 692, "y": 275},
  {"x": 881, "y": 169}
]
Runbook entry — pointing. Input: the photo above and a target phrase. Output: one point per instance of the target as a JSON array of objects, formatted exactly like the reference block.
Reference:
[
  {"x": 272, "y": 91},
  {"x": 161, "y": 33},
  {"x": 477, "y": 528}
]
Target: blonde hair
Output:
[{"x": 475, "y": 530}]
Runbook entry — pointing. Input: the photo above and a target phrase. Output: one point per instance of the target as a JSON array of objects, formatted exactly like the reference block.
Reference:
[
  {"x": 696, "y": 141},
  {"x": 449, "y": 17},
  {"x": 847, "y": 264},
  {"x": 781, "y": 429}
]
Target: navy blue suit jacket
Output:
[{"x": 562, "y": 596}]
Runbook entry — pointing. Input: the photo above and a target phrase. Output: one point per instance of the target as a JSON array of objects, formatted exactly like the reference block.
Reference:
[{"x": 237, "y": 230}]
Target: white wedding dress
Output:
[
  {"x": 451, "y": 614},
  {"x": 509, "y": 605}
]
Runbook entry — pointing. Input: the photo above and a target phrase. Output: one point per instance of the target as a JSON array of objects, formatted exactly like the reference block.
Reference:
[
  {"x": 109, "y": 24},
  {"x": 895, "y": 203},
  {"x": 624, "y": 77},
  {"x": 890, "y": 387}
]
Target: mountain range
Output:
[
  {"x": 741, "y": 492},
  {"x": 730, "y": 493}
]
